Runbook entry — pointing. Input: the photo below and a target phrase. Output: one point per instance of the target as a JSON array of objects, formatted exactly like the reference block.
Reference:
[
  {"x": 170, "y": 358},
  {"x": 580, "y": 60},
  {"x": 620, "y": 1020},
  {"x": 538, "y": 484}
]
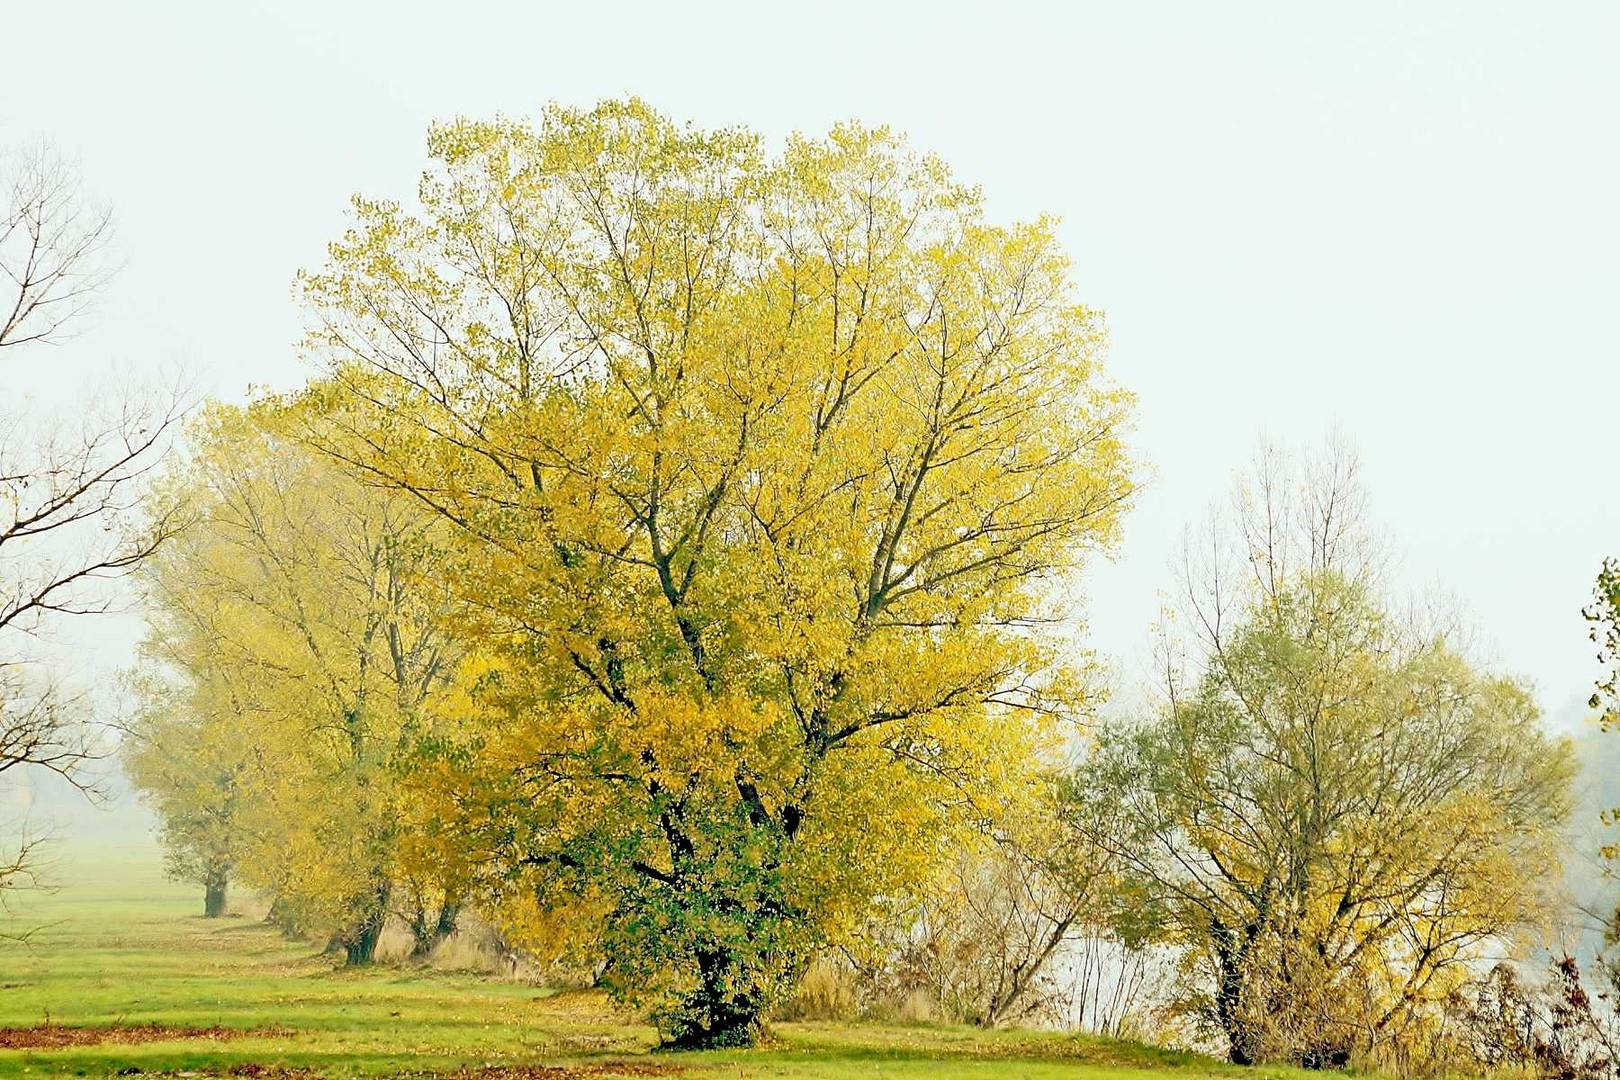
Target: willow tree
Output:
[
  {"x": 294, "y": 642},
  {"x": 762, "y": 469},
  {"x": 1333, "y": 812}
]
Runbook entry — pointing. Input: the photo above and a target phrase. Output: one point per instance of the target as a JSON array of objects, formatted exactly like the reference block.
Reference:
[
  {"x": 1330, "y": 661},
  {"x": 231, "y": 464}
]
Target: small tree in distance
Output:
[{"x": 189, "y": 767}]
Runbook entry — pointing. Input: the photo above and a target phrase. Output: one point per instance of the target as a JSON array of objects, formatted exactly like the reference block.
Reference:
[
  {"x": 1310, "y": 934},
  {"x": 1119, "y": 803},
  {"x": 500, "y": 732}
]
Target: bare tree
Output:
[
  {"x": 53, "y": 247},
  {"x": 71, "y": 515}
]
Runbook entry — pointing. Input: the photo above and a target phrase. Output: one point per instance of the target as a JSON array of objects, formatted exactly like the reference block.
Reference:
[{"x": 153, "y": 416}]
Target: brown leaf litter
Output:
[{"x": 55, "y": 1036}]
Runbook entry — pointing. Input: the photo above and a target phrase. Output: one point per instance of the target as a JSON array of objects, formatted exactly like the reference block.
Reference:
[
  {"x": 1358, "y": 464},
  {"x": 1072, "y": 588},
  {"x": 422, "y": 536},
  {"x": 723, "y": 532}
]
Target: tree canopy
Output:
[
  {"x": 761, "y": 472},
  {"x": 293, "y": 641}
]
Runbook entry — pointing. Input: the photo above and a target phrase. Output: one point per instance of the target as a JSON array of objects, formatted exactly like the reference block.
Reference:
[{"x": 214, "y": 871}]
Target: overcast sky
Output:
[{"x": 1398, "y": 221}]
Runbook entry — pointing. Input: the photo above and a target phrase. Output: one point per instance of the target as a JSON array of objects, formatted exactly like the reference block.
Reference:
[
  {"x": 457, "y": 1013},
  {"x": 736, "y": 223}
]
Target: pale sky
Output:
[{"x": 1400, "y": 221}]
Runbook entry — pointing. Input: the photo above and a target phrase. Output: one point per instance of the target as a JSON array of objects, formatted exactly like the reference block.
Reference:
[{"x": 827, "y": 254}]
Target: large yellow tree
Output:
[{"x": 763, "y": 471}]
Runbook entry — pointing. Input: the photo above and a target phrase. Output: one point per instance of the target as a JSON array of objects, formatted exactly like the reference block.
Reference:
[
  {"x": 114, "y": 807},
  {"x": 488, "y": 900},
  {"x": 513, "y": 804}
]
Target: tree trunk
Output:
[
  {"x": 214, "y": 896},
  {"x": 428, "y": 936},
  {"x": 724, "y": 1011},
  {"x": 1325, "y": 1056},
  {"x": 360, "y": 941},
  {"x": 282, "y": 918},
  {"x": 360, "y": 945},
  {"x": 1232, "y": 959}
]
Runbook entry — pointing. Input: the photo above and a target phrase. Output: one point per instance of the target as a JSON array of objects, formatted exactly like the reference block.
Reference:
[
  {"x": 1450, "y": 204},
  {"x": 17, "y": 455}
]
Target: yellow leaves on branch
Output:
[{"x": 300, "y": 640}]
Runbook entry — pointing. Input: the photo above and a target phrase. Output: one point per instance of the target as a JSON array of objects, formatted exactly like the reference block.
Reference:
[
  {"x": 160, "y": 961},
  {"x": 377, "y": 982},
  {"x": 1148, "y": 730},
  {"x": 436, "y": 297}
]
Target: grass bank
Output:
[{"x": 114, "y": 944}]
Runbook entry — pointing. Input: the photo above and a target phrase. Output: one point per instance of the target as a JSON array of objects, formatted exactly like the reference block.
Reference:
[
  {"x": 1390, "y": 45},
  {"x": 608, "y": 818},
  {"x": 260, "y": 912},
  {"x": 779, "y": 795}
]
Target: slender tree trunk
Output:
[
  {"x": 1024, "y": 974},
  {"x": 448, "y": 914}
]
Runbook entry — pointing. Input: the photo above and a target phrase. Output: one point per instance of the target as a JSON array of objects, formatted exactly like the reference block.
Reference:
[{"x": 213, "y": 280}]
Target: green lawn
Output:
[{"x": 115, "y": 944}]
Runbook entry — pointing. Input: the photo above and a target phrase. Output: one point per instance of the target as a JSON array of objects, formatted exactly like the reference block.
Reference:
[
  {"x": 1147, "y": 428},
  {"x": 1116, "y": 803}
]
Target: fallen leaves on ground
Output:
[{"x": 50, "y": 1036}]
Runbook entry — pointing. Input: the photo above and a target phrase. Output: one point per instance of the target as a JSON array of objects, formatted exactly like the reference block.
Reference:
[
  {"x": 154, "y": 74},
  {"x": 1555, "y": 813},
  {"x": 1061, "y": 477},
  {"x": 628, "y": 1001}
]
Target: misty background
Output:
[{"x": 1391, "y": 221}]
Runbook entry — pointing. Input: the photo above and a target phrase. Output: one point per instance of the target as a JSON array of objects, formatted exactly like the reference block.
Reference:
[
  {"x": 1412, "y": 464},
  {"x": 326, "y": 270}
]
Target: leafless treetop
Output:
[{"x": 53, "y": 247}]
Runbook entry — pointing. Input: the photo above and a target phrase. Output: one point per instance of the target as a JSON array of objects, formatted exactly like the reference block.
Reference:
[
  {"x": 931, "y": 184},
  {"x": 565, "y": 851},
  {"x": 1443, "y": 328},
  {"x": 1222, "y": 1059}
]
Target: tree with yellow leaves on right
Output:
[{"x": 1333, "y": 814}]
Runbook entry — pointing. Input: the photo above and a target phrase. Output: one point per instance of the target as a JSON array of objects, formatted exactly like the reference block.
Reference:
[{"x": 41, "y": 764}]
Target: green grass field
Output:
[{"x": 115, "y": 944}]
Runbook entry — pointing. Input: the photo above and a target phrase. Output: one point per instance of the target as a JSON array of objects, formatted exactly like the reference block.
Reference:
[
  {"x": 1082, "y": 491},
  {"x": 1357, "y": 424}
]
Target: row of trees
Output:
[
  {"x": 293, "y": 641},
  {"x": 741, "y": 481},
  {"x": 671, "y": 562}
]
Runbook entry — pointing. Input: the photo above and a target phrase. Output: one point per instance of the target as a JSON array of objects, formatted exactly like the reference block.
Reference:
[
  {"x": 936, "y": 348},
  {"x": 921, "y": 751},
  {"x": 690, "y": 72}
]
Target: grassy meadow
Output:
[{"x": 114, "y": 944}]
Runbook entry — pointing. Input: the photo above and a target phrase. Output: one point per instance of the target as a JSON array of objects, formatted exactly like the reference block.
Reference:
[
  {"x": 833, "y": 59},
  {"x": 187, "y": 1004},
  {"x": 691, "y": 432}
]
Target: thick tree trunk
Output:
[
  {"x": 1229, "y": 1005},
  {"x": 214, "y": 896},
  {"x": 360, "y": 941},
  {"x": 1237, "y": 1041},
  {"x": 724, "y": 1011},
  {"x": 214, "y": 886},
  {"x": 360, "y": 945}
]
